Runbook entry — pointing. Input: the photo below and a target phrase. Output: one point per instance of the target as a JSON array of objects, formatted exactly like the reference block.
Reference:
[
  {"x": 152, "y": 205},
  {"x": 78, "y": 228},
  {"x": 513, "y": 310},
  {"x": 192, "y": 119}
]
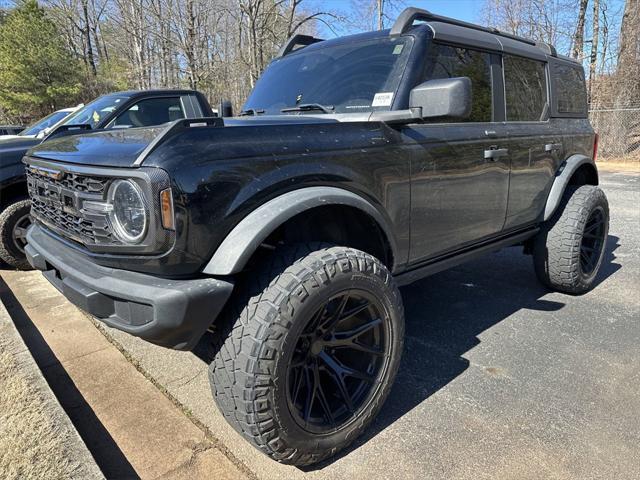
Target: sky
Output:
[{"x": 467, "y": 10}]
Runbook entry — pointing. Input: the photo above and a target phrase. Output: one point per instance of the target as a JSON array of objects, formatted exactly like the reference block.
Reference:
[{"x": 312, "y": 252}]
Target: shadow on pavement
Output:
[{"x": 104, "y": 449}]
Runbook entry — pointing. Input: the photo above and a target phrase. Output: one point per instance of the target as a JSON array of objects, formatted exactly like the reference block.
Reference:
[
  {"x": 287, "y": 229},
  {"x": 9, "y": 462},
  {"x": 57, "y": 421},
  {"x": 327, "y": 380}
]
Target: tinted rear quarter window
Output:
[
  {"x": 444, "y": 61},
  {"x": 570, "y": 90},
  {"x": 525, "y": 89}
]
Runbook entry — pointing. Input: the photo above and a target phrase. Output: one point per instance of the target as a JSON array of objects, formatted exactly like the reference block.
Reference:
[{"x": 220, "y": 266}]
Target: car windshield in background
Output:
[
  {"x": 94, "y": 112},
  {"x": 347, "y": 78},
  {"x": 46, "y": 122}
]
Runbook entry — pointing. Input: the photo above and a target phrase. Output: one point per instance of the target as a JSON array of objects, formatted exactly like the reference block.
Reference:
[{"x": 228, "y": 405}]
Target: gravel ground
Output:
[
  {"x": 37, "y": 440},
  {"x": 500, "y": 378}
]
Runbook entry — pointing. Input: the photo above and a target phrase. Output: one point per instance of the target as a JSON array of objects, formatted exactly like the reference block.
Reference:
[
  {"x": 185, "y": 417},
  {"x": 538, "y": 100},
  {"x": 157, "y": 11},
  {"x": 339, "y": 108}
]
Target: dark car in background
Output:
[
  {"x": 42, "y": 127},
  {"x": 361, "y": 164},
  {"x": 10, "y": 130},
  {"x": 121, "y": 110}
]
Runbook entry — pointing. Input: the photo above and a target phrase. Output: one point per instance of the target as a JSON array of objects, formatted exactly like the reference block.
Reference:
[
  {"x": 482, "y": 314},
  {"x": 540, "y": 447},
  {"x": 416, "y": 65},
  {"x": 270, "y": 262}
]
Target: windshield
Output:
[
  {"x": 94, "y": 112},
  {"x": 349, "y": 78},
  {"x": 46, "y": 122}
]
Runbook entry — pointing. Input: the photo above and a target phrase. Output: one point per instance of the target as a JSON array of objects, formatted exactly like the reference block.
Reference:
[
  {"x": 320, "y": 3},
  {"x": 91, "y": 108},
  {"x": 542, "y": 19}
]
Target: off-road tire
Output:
[
  {"x": 9, "y": 252},
  {"x": 557, "y": 248},
  {"x": 261, "y": 327}
]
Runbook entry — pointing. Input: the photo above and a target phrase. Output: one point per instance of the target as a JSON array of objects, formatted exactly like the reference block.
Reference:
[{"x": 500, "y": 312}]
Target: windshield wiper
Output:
[
  {"x": 251, "y": 111},
  {"x": 308, "y": 107}
]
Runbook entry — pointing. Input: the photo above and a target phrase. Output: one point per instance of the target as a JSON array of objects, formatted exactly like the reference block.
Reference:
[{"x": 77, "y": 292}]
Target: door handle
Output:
[
  {"x": 490, "y": 133},
  {"x": 552, "y": 147},
  {"x": 494, "y": 153}
]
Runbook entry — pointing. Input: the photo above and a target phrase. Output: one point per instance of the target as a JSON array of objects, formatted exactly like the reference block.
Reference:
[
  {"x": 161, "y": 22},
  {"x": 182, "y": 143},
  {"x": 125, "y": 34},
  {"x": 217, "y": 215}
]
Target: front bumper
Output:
[{"x": 171, "y": 313}]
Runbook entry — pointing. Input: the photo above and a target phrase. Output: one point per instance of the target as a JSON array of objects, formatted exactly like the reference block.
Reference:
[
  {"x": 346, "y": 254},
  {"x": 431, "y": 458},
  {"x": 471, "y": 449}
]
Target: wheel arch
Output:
[
  {"x": 576, "y": 170},
  {"x": 245, "y": 238}
]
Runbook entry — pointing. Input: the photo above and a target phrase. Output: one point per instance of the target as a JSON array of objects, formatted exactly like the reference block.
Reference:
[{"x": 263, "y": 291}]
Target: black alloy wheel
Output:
[
  {"x": 338, "y": 361},
  {"x": 593, "y": 240}
]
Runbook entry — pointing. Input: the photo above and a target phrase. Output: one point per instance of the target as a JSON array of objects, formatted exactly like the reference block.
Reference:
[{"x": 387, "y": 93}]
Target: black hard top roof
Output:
[{"x": 441, "y": 28}]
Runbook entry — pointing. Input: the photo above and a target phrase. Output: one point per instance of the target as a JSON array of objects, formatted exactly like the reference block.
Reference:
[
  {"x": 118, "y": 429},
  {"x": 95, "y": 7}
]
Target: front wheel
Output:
[
  {"x": 569, "y": 249},
  {"x": 15, "y": 219},
  {"x": 309, "y": 360}
]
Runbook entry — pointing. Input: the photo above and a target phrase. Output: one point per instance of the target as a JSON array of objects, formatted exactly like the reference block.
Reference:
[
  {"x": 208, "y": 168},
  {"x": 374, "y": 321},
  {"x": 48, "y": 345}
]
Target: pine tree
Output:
[{"x": 37, "y": 73}]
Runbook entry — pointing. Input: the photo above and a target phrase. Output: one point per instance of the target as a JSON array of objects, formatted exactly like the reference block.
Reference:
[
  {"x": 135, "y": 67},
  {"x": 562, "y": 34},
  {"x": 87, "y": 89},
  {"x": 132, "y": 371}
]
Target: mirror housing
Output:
[{"x": 443, "y": 97}]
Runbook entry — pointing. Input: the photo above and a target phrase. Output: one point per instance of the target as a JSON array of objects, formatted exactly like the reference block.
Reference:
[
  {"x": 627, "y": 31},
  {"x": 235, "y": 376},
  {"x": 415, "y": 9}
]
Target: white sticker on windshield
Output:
[
  {"x": 398, "y": 49},
  {"x": 382, "y": 99}
]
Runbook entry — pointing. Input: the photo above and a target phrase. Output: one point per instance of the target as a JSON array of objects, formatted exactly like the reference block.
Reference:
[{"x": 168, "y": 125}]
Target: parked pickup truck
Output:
[
  {"x": 109, "y": 112},
  {"x": 360, "y": 164}
]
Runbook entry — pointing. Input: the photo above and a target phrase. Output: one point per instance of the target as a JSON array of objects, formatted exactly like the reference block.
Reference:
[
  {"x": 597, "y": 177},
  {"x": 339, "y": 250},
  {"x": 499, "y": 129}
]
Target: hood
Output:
[
  {"x": 121, "y": 148},
  {"x": 108, "y": 148},
  {"x": 13, "y": 149}
]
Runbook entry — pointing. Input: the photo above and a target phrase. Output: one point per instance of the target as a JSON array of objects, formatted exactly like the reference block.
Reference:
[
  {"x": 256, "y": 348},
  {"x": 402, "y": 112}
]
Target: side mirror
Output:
[{"x": 444, "y": 97}]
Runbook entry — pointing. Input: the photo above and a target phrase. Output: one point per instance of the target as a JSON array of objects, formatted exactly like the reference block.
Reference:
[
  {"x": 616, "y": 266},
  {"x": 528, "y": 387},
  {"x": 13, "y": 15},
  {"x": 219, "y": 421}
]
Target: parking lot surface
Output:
[{"x": 500, "y": 378}]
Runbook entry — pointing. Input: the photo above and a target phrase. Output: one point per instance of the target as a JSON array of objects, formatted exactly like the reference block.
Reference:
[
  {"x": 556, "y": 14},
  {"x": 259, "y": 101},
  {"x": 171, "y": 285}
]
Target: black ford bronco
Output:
[{"x": 358, "y": 164}]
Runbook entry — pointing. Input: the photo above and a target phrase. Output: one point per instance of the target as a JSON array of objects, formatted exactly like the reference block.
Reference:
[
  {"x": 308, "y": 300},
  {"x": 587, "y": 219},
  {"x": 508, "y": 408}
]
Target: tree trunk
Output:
[
  {"x": 628, "y": 65},
  {"x": 87, "y": 39},
  {"x": 605, "y": 37},
  {"x": 593, "y": 60},
  {"x": 578, "y": 37},
  {"x": 629, "y": 35},
  {"x": 380, "y": 14}
]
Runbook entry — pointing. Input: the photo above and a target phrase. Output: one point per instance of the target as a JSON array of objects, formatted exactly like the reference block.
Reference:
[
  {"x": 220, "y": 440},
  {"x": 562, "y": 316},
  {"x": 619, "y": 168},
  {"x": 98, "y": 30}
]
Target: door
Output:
[
  {"x": 460, "y": 170},
  {"x": 535, "y": 141}
]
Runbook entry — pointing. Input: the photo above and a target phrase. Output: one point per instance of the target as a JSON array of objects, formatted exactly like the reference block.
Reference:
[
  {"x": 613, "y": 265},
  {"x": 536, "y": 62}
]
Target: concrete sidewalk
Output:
[
  {"x": 37, "y": 439},
  {"x": 131, "y": 428}
]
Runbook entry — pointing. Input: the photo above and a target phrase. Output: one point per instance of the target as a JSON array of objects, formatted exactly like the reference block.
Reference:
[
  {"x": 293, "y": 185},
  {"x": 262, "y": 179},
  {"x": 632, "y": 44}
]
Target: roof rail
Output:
[
  {"x": 296, "y": 41},
  {"x": 547, "y": 47},
  {"x": 411, "y": 14}
]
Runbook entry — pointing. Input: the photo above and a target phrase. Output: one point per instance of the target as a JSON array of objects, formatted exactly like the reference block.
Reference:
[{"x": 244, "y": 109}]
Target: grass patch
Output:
[{"x": 32, "y": 445}]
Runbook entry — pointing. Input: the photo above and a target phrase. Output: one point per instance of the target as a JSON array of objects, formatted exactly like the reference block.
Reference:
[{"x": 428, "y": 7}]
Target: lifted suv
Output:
[{"x": 360, "y": 164}]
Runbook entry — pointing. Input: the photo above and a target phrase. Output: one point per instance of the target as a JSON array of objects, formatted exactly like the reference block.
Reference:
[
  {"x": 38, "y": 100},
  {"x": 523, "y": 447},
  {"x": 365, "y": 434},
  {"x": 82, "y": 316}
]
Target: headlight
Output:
[{"x": 129, "y": 214}]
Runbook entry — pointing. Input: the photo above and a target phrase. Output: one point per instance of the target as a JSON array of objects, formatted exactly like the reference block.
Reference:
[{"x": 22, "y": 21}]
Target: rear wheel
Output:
[
  {"x": 309, "y": 359},
  {"x": 14, "y": 222},
  {"x": 569, "y": 249}
]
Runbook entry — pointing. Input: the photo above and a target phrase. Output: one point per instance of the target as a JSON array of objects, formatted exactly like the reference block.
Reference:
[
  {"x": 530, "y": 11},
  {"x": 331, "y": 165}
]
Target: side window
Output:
[
  {"x": 153, "y": 111},
  {"x": 444, "y": 61},
  {"x": 525, "y": 85},
  {"x": 571, "y": 92}
]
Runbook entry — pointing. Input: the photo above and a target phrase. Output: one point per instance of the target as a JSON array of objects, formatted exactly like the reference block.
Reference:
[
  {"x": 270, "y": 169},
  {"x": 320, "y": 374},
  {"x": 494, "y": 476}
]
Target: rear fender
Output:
[{"x": 562, "y": 179}]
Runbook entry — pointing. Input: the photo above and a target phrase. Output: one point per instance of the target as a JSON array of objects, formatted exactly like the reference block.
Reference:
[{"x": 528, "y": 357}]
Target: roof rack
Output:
[
  {"x": 411, "y": 14},
  {"x": 297, "y": 41}
]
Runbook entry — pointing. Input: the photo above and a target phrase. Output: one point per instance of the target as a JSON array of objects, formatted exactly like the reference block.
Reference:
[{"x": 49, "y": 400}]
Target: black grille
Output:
[
  {"x": 72, "y": 181},
  {"x": 57, "y": 203}
]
